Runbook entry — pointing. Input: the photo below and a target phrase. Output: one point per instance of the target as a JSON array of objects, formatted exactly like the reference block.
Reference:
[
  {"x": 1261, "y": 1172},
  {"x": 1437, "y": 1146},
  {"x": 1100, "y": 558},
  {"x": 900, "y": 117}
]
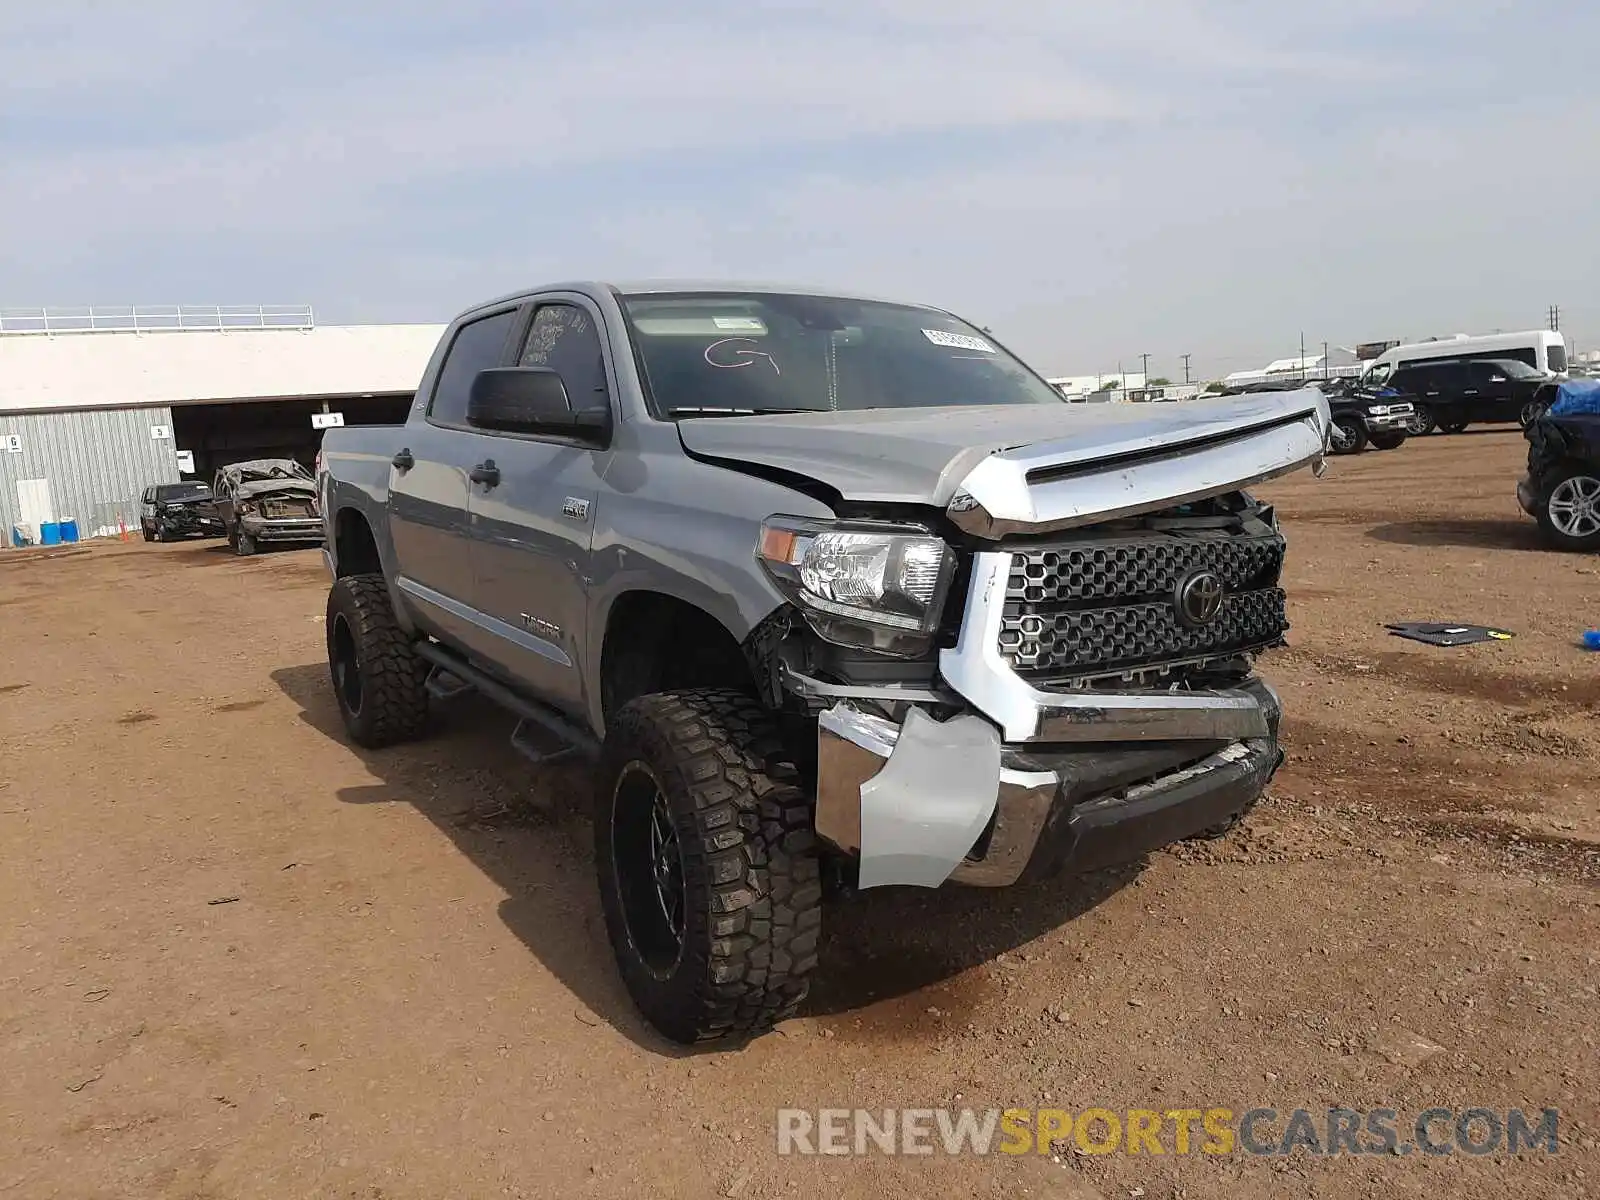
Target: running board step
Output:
[
  {"x": 552, "y": 723},
  {"x": 445, "y": 685},
  {"x": 539, "y": 745}
]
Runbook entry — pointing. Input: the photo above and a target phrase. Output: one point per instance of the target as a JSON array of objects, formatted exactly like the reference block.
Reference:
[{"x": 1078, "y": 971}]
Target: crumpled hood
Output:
[
  {"x": 274, "y": 487},
  {"x": 921, "y": 456}
]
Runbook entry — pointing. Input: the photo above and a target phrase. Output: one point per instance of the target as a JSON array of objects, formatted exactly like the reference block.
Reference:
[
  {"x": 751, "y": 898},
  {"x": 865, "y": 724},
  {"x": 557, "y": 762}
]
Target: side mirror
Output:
[{"x": 529, "y": 400}]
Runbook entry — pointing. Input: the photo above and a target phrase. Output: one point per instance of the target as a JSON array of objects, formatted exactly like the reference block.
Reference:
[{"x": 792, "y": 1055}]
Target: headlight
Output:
[{"x": 879, "y": 587}]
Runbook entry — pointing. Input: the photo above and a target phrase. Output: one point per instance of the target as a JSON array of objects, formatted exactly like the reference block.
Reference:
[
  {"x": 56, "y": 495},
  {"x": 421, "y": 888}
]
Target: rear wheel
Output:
[
  {"x": 1452, "y": 426},
  {"x": 1388, "y": 441},
  {"x": 708, "y": 867},
  {"x": 379, "y": 679},
  {"x": 1570, "y": 514},
  {"x": 1347, "y": 435}
]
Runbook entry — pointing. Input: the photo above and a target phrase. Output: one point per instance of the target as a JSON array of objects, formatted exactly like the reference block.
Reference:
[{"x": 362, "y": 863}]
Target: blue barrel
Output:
[
  {"x": 49, "y": 533},
  {"x": 69, "y": 531}
]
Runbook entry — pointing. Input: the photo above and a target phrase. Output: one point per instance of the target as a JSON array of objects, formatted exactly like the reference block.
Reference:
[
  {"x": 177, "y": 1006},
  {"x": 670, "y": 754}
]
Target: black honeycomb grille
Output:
[{"x": 1099, "y": 607}]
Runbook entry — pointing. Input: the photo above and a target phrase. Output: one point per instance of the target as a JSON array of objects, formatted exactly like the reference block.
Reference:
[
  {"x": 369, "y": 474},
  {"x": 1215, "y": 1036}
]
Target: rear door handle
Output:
[
  {"x": 403, "y": 460},
  {"x": 486, "y": 473}
]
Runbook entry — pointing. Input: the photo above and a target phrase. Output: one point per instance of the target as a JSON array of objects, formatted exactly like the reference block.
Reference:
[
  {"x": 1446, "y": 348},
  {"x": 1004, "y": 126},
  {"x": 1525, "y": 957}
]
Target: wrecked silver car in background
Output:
[{"x": 272, "y": 500}]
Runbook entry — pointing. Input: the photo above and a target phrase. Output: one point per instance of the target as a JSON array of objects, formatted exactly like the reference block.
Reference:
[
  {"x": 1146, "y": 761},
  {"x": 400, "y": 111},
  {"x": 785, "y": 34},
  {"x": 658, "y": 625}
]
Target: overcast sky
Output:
[{"x": 1089, "y": 180}]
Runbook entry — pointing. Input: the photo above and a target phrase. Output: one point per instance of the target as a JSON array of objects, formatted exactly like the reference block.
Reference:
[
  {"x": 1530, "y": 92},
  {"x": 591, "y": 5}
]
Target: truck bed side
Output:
[{"x": 354, "y": 481}]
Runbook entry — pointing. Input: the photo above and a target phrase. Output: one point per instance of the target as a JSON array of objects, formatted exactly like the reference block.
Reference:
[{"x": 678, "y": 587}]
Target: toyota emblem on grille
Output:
[{"x": 1199, "y": 598}]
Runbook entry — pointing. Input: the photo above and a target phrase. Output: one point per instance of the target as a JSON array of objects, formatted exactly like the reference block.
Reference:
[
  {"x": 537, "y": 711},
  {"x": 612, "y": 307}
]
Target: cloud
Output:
[{"x": 1094, "y": 180}]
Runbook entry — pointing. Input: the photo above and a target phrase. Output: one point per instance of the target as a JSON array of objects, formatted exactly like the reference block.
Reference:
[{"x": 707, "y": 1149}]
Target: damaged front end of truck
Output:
[{"x": 1060, "y": 674}]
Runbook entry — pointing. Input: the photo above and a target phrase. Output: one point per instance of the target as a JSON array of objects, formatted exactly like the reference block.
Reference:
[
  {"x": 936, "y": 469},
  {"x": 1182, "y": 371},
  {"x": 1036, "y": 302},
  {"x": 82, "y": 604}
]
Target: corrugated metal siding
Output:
[{"x": 97, "y": 463}]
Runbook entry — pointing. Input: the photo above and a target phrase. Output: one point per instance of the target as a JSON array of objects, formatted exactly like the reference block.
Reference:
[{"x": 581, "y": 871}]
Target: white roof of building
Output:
[
  {"x": 43, "y": 372},
  {"x": 1072, "y": 385}
]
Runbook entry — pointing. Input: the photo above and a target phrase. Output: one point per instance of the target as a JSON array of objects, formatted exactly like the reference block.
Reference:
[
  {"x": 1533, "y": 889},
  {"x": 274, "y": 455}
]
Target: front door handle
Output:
[
  {"x": 403, "y": 460},
  {"x": 486, "y": 473}
]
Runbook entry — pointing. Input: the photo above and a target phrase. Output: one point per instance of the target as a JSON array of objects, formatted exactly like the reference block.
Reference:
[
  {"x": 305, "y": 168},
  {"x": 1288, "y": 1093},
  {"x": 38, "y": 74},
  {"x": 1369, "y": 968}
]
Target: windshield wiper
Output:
[{"x": 737, "y": 412}]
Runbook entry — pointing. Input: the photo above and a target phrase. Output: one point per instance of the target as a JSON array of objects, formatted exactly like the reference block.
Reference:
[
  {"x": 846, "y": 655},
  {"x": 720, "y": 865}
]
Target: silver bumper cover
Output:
[{"x": 926, "y": 803}]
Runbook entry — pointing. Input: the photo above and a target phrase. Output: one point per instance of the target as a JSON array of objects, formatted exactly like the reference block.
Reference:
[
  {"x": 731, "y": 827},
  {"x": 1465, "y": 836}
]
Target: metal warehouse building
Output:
[{"x": 98, "y": 404}]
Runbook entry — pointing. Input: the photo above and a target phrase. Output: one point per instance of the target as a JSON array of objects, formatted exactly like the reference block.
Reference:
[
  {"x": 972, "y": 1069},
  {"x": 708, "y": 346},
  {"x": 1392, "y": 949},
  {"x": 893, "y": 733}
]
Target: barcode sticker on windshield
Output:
[
  {"x": 957, "y": 341},
  {"x": 752, "y": 324}
]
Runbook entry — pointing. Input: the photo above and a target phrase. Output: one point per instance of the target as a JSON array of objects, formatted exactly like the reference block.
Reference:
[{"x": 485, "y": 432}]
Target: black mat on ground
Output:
[{"x": 1443, "y": 633}]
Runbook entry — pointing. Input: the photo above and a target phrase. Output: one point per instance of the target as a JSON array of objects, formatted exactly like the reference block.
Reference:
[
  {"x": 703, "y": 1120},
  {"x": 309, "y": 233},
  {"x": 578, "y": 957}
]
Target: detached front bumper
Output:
[
  {"x": 926, "y": 802},
  {"x": 282, "y": 529}
]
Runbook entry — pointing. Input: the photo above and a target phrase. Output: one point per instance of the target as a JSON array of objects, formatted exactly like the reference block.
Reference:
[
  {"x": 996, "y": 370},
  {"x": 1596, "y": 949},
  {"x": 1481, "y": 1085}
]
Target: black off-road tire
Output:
[
  {"x": 385, "y": 701},
  {"x": 243, "y": 544},
  {"x": 1387, "y": 441},
  {"x": 1455, "y": 425},
  {"x": 751, "y": 891},
  {"x": 148, "y": 536},
  {"x": 1349, "y": 437}
]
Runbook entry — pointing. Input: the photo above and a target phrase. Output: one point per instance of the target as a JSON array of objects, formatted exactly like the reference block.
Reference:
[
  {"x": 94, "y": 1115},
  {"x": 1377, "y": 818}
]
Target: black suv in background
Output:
[
  {"x": 168, "y": 511},
  {"x": 1361, "y": 419},
  {"x": 1450, "y": 394}
]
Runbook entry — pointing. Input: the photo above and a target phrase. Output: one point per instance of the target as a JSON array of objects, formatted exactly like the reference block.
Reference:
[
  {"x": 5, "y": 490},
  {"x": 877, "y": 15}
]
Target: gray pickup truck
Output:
[{"x": 835, "y": 590}]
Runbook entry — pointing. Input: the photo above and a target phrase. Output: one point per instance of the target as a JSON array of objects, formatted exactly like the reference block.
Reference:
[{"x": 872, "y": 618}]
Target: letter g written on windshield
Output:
[{"x": 729, "y": 355}]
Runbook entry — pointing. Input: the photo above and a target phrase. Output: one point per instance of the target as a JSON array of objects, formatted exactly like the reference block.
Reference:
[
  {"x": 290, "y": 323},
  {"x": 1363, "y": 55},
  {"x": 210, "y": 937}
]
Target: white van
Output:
[{"x": 1543, "y": 349}]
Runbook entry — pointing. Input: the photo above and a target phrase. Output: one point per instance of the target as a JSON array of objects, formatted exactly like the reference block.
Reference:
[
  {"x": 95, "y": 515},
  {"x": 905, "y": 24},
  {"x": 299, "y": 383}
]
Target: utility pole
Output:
[
  {"x": 1302, "y": 356},
  {"x": 1324, "y": 360},
  {"x": 1555, "y": 318},
  {"x": 1186, "y": 359},
  {"x": 1144, "y": 368}
]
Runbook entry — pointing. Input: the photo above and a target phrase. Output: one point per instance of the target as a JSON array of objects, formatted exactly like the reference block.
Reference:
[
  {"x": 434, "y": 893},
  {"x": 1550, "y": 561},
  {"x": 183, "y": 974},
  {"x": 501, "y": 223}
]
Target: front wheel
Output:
[
  {"x": 1388, "y": 441},
  {"x": 709, "y": 877},
  {"x": 1570, "y": 514},
  {"x": 1531, "y": 412},
  {"x": 379, "y": 679},
  {"x": 1347, "y": 436},
  {"x": 243, "y": 544},
  {"x": 1422, "y": 421}
]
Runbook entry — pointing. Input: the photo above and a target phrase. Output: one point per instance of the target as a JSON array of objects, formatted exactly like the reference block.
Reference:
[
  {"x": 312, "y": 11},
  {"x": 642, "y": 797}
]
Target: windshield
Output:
[
  {"x": 750, "y": 352},
  {"x": 183, "y": 491},
  {"x": 1379, "y": 375},
  {"x": 1556, "y": 356}
]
